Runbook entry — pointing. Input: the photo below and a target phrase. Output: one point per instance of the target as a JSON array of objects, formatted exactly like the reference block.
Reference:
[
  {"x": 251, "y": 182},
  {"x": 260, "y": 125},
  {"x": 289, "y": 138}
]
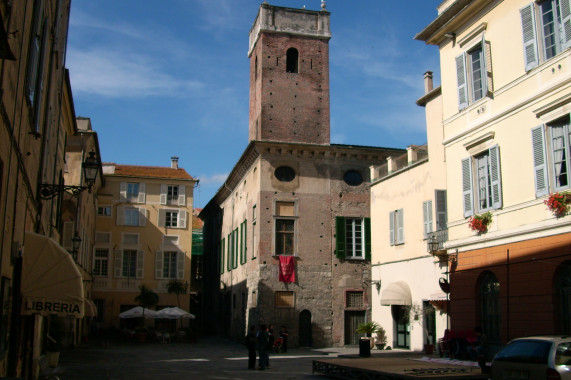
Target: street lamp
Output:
[
  {"x": 75, "y": 243},
  {"x": 90, "y": 169},
  {"x": 433, "y": 244}
]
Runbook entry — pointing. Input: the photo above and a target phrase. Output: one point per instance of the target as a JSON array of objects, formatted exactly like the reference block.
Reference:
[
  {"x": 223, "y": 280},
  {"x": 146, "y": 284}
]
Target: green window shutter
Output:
[
  {"x": 221, "y": 255},
  {"x": 441, "y": 212},
  {"x": 539, "y": 161},
  {"x": 467, "y": 187},
  {"x": 531, "y": 56},
  {"x": 229, "y": 258},
  {"x": 496, "y": 176},
  {"x": 368, "y": 238},
  {"x": 340, "y": 237},
  {"x": 235, "y": 255},
  {"x": 462, "y": 82}
]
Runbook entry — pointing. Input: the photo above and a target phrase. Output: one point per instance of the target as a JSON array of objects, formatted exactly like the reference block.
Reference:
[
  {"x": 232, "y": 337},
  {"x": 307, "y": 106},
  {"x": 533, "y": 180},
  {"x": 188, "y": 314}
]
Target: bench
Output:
[{"x": 47, "y": 372}]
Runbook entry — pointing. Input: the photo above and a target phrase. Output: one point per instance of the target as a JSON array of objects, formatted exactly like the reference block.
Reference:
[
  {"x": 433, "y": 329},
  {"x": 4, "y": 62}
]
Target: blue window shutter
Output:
[
  {"x": 485, "y": 68},
  {"x": 531, "y": 56},
  {"x": 441, "y": 211},
  {"x": 539, "y": 161},
  {"x": 340, "y": 237},
  {"x": 368, "y": 238},
  {"x": 462, "y": 82},
  {"x": 565, "y": 9},
  {"x": 400, "y": 224},
  {"x": 392, "y": 227},
  {"x": 496, "y": 175},
  {"x": 467, "y": 187},
  {"x": 427, "y": 217}
]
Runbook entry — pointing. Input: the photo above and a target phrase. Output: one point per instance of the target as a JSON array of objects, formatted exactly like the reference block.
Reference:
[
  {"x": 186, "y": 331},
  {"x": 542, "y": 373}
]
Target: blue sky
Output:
[{"x": 171, "y": 78}]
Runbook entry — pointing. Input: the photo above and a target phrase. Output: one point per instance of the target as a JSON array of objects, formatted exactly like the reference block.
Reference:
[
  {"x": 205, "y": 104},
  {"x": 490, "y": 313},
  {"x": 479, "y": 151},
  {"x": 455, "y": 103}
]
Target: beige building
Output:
[
  {"x": 506, "y": 90},
  {"x": 143, "y": 237}
]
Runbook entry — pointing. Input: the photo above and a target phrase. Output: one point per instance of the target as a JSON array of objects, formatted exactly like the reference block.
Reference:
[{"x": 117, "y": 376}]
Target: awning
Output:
[
  {"x": 397, "y": 293},
  {"x": 90, "y": 308},
  {"x": 51, "y": 282},
  {"x": 440, "y": 301}
]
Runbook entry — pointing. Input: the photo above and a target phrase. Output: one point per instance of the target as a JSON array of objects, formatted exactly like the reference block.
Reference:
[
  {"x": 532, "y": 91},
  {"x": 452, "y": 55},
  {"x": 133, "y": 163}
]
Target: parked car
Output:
[{"x": 534, "y": 358}]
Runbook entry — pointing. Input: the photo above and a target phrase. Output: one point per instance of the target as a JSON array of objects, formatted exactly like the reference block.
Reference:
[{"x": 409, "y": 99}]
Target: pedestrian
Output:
[
  {"x": 251, "y": 341},
  {"x": 271, "y": 337},
  {"x": 262, "y": 341},
  {"x": 283, "y": 335}
]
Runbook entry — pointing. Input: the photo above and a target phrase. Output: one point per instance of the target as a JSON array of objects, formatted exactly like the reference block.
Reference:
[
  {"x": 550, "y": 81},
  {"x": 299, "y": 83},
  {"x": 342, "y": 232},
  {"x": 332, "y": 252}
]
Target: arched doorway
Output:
[
  {"x": 305, "y": 333},
  {"x": 563, "y": 291}
]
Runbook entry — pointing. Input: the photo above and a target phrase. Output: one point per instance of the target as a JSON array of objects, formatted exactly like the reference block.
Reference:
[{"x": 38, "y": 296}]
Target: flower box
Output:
[
  {"x": 558, "y": 203},
  {"x": 480, "y": 223}
]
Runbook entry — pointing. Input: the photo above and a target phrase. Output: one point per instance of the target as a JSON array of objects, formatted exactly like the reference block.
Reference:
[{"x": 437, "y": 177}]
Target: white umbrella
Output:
[
  {"x": 173, "y": 313},
  {"x": 138, "y": 312}
]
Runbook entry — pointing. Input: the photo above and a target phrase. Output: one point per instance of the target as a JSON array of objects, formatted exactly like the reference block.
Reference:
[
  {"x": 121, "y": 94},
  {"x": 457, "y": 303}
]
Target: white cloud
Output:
[{"x": 213, "y": 179}]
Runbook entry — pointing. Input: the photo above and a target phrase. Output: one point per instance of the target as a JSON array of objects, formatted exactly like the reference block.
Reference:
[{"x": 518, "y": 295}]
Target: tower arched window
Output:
[
  {"x": 292, "y": 57},
  {"x": 489, "y": 297}
]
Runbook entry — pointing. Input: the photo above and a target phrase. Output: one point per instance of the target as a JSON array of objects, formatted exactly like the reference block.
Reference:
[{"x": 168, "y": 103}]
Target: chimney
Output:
[
  {"x": 428, "y": 85},
  {"x": 174, "y": 162}
]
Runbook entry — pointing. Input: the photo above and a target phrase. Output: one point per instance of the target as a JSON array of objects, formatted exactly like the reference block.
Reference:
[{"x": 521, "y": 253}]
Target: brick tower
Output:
[{"x": 289, "y": 76}]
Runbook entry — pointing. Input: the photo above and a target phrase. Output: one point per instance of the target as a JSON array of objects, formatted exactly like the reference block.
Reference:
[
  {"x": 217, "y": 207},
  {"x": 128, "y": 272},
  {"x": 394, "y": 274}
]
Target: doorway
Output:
[
  {"x": 353, "y": 319},
  {"x": 401, "y": 318},
  {"x": 305, "y": 333}
]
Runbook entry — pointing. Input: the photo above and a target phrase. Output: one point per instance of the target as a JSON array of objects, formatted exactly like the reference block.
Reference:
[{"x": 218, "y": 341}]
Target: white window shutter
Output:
[
  {"x": 140, "y": 264},
  {"x": 182, "y": 219},
  {"x": 530, "y": 54},
  {"x": 142, "y": 216},
  {"x": 181, "y": 195},
  {"x": 180, "y": 265},
  {"x": 123, "y": 192},
  {"x": 120, "y": 216},
  {"x": 118, "y": 262},
  {"x": 400, "y": 224},
  {"x": 441, "y": 222},
  {"x": 427, "y": 217},
  {"x": 496, "y": 176},
  {"x": 485, "y": 68},
  {"x": 392, "y": 227},
  {"x": 467, "y": 187},
  {"x": 539, "y": 161},
  {"x": 162, "y": 219},
  {"x": 159, "y": 265},
  {"x": 462, "y": 82},
  {"x": 565, "y": 9},
  {"x": 142, "y": 196},
  {"x": 163, "y": 197},
  {"x": 67, "y": 235}
]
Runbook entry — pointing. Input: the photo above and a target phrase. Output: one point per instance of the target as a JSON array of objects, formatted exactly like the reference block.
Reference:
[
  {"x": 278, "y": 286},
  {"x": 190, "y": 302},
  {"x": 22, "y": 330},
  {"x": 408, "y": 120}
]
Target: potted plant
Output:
[
  {"x": 368, "y": 328},
  {"x": 480, "y": 223},
  {"x": 558, "y": 204},
  {"x": 381, "y": 339}
]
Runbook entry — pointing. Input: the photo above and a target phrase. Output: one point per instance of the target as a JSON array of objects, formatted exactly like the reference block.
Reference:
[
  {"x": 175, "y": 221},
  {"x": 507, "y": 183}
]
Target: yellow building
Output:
[{"x": 143, "y": 237}]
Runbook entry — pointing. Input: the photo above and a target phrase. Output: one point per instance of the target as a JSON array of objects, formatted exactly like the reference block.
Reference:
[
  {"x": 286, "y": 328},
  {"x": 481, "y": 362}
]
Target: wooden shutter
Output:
[
  {"x": 400, "y": 225},
  {"x": 181, "y": 195},
  {"x": 120, "y": 216},
  {"x": 462, "y": 82},
  {"x": 182, "y": 219},
  {"x": 467, "y": 187},
  {"x": 392, "y": 227},
  {"x": 163, "y": 196},
  {"x": 427, "y": 217},
  {"x": 530, "y": 54},
  {"x": 441, "y": 222},
  {"x": 162, "y": 217},
  {"x": 142, "y": 196},
  {"x": 40, "y": 75},
  {"x": 368, "y": 238},
  {"x": 140, "y": 264},
  {"x": 565, "y": 10},
  {"x": 539, "y": 161},
  {"x": 159, "y": 257},
  {"x": 486, "y": 67},
  {"x": 496, "y": 176},
  {"x": 180, "y": 265},
  {"x": 34, "y": 51},
  {"x": 222, "y": 255},
  {"x": 123, "y": 192},
  {"x": 118, "y": 263},
  {"x": 67, "y": 235},
  {"x": 142, "y": 216},
  {"x": 340, "y": 237},
  {"x": 229, "y": 252}
]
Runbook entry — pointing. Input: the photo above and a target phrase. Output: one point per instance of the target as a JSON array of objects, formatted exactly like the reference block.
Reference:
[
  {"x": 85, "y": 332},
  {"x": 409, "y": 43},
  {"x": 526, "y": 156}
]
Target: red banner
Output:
[{"x": 287, "y": 268}]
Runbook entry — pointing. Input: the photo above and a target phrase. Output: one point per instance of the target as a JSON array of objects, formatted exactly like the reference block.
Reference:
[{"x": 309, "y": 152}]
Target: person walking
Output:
[
  {"x": 263, "y": 342},
  {"x": 283, "y": 335},
  {"x": 251, "y": 341}
]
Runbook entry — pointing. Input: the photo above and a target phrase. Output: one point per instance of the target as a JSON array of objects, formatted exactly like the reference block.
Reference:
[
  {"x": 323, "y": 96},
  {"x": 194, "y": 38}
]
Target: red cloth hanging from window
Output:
[{"x": 287, "y": 268}]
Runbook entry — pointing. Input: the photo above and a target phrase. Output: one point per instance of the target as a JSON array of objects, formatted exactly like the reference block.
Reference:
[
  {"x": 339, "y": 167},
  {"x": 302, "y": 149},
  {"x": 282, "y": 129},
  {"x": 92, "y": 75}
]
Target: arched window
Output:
[
  {"x": 563, "y": 284},
  {"x": 489, "y": 298},
  {"x": 292, "y": 57}
]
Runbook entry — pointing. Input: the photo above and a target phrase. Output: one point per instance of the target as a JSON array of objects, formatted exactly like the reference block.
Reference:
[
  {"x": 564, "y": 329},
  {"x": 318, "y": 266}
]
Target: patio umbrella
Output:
[
  {"x": 138, "y": 312},
  {"x": 173, "y": 313}
]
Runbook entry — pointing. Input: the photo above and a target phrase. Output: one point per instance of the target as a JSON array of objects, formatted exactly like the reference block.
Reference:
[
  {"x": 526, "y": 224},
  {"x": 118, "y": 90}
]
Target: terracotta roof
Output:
[
  {"x": 197, "y": 223},
  {"x": 151, "y": 171}
]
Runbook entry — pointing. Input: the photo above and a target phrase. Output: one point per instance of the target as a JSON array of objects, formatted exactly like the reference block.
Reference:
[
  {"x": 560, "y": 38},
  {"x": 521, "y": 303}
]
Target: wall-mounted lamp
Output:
[
  {"x": 432, "y": 243},
  {"x": 90, "y": 169},
  {"x": 75, "y": 243}
]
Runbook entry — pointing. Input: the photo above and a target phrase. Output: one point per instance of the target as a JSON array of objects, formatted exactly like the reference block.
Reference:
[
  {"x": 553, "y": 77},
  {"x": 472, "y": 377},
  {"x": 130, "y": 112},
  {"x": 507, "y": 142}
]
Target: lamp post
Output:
[{"x": 90, "y": 169}]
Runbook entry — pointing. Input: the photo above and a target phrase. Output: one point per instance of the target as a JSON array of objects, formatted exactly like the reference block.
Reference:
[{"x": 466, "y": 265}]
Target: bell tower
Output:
[{"x": 289, "y": 75}]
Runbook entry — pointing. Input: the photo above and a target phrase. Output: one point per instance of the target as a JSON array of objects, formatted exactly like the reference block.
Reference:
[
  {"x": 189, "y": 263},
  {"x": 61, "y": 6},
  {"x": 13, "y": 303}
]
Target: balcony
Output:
[{"x": 413, "y": 155}]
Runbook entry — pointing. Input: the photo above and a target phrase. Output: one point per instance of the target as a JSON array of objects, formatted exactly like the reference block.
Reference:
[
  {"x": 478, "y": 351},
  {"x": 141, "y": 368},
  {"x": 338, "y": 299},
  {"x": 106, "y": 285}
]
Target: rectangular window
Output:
[
  {"x": 485, "y": 188},
  {"x": 475, "y": 59},
  {"x": 169, "y": 264},
  {"x": 235, "y": 242},
  {"x": 354, "y": 300},
  {"x": 473, "y": 74},
  {"x": 103, "y": 237},
  {"x": 132, "y": 239},
  {"x": 243, "y": 246},
  {"x": 131, "y": 216},
  {"x": 352, "y": 238},
  {"x": 132, "y": 191},
  {"x": 285, "y": 228},
  {"x": 101, "y": 262},
  {"x": 284, "y": 300},
  {"x": 172, "y": 218},
  {"x": 129, "y": 268},
  {"x": 172, "y": 193},
  {"x": 104, "y": 211},
  {"x": 396, "y": 226}
]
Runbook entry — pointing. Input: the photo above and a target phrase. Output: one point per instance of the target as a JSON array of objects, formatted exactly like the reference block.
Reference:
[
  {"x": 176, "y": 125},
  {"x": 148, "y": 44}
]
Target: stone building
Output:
[{"x": 294, "y": 203}]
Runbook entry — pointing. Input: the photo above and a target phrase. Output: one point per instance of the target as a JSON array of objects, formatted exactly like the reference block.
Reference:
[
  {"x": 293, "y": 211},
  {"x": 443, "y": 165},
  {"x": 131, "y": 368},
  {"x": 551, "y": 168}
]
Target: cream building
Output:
[
  {"x": 143, "y": 237},
  {"x": 506, "y": 91}
]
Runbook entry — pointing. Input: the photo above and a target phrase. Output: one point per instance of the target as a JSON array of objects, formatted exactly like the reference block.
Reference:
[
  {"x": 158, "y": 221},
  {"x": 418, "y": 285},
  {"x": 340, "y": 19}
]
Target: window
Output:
[
  {"x": 284, "y": 300},
  {"x": 132, "y": 239},
  {"x": 131, "y": 216},
  {"x": 132, "y": 192},
  {"x": 396, "y": 227},
  {"x": 129, "y": 265},
  {"x": 353, "y": 178},
  {"x": 103, "y": 237},
  {"x": 427, "y": 217},
  {"x": 354, "y": 300},
  {"x": 232, "y": 261},
  {"x": 482, "y": 193},
  {"x": 285, "y": 174},
  {"x": 172, "y": 218},
  {"x": 285, "y": 228},
  {"x": 352, "y": 238},
  {"x": 473, "y": 74},
  {"x": 104, "y": 211},
  {"x": 35, "y": 72},
  {"x": 173, "y": 195},
  {"x": 243, "y": 246},
  {"x": 292, "y": 57},
  {"x": 67, "y": 235},
  {"x": 101, "y": 262},
  {"x": 169, "y": 265},
  {"x": 441, "y": 210},
  {"x": 546, "y": 28},
  {"x": 489, "y": 294}
]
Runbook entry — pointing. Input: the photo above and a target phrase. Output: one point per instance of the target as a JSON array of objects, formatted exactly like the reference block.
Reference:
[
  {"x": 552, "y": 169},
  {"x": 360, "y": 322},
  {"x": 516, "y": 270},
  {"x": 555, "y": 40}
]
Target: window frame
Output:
[
  {"x": 100, "y": 263},
  {"x": 471, "y": 185},
  {"x": 396, "y": 227},
  {"x": 107, "y": 213},
  {"x": 341, "y": 238},
  {"x": 465, "y": 74},
  {"x": 285, "y": 214},
  {"x": 181, "y": 218}
]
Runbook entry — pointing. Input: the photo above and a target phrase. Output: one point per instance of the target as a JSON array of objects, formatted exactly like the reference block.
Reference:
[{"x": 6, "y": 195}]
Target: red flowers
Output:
[
  {"x": 479, "y": 223},
  {"x": 557, "y": 203}
]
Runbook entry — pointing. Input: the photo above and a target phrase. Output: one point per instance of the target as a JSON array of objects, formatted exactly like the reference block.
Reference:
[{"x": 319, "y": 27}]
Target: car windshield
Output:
[
  {"x": 530, "y": 351},
  {"x": 563, "y": 354}
]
